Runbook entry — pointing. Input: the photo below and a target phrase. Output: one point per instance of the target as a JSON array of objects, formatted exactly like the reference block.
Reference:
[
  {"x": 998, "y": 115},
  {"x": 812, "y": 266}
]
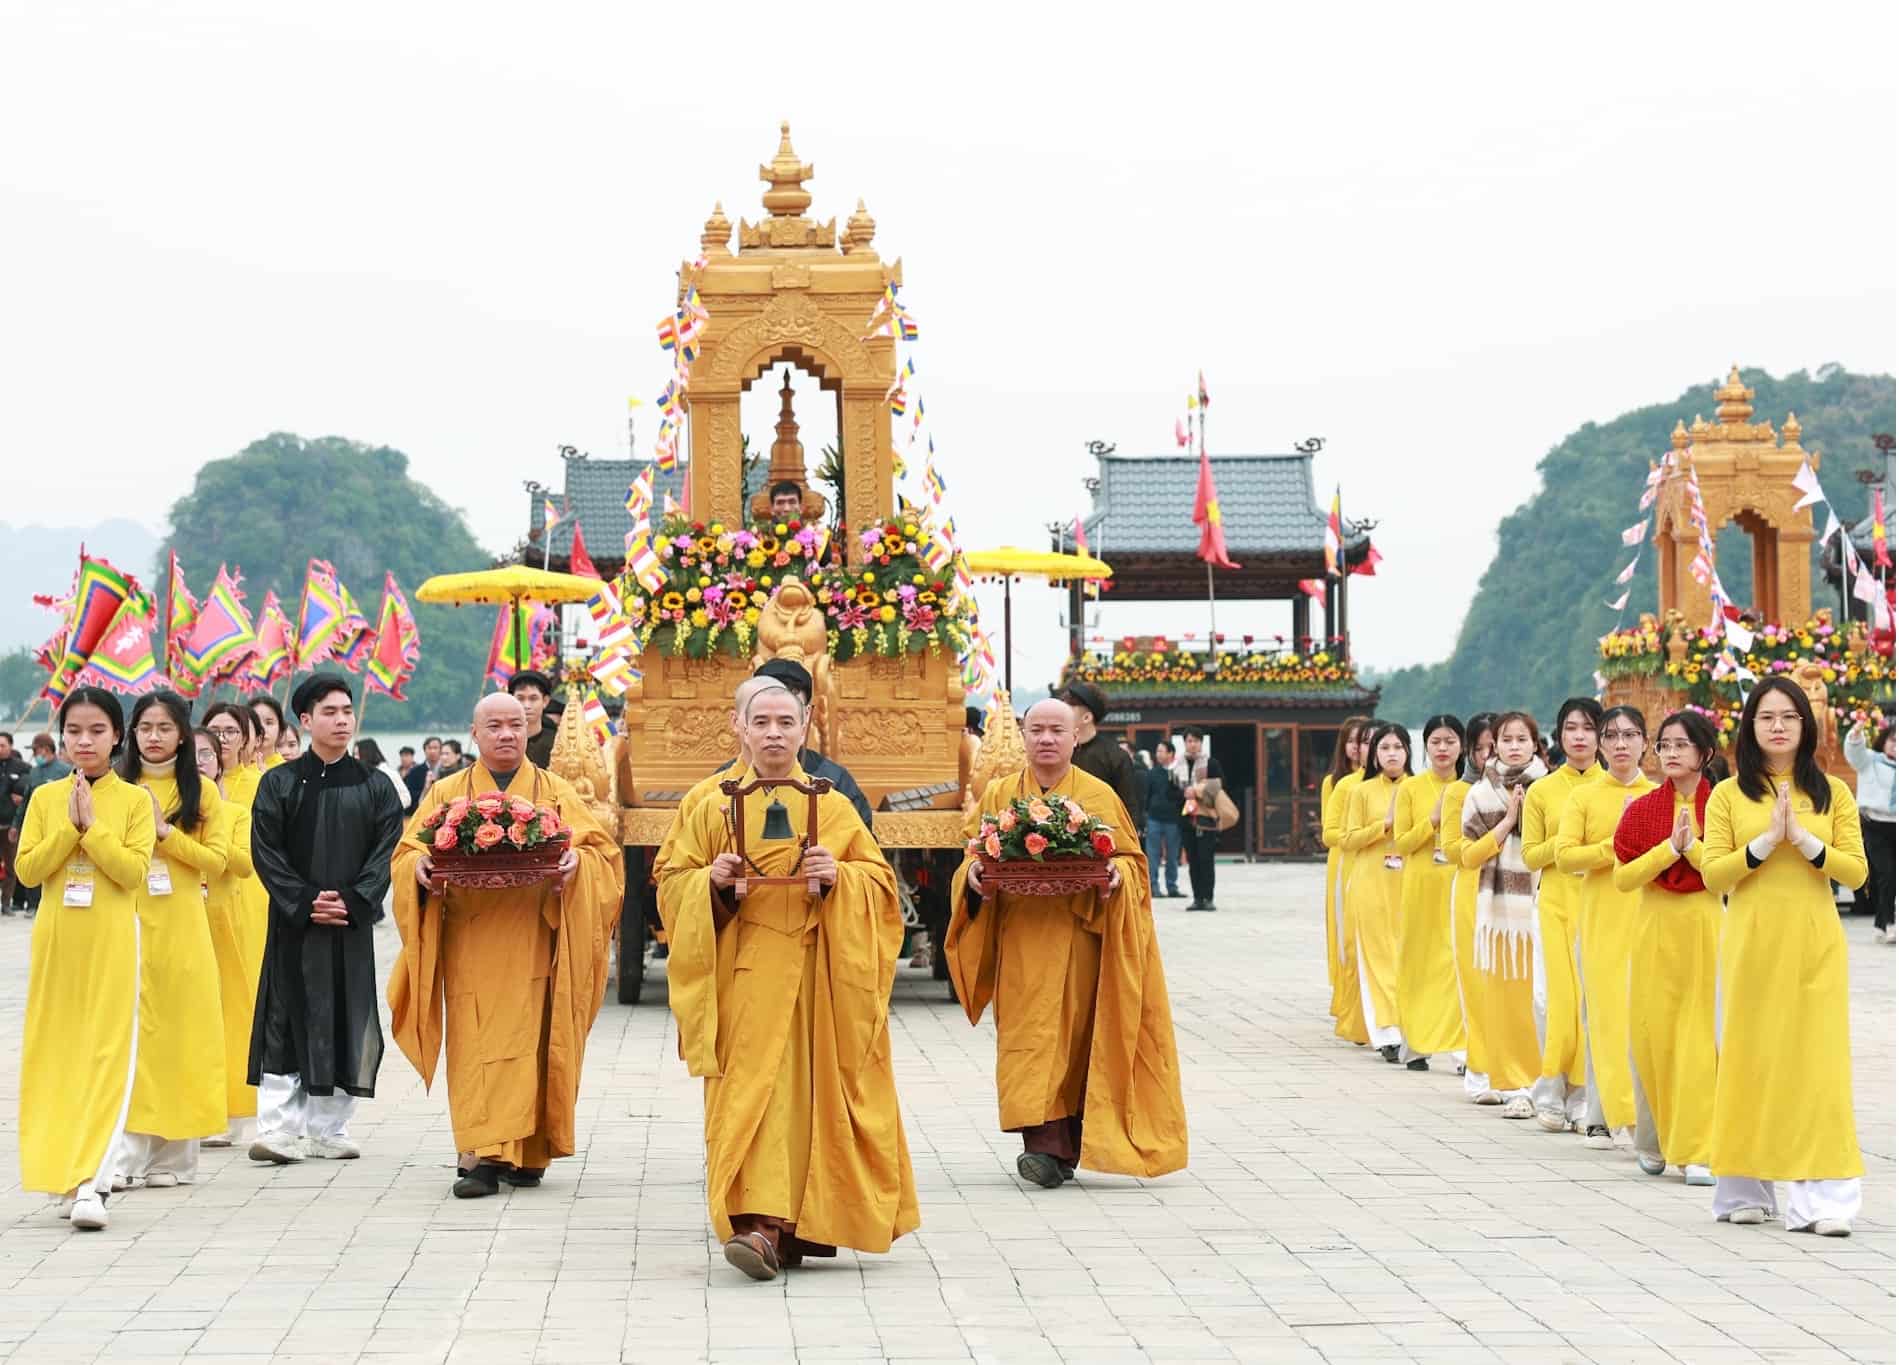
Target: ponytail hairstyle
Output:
[
  {"x": 1382, "y": 728},
  {"x": 1349, "y": 729},
  {"x": 1750, "y": 762},
  {"x": 190, "y": 812}
]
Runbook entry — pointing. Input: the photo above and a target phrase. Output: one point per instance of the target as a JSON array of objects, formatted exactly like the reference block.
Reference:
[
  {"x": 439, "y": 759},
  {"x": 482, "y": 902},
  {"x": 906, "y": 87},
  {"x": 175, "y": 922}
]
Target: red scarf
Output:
[{"x": 1649, "y": 822}]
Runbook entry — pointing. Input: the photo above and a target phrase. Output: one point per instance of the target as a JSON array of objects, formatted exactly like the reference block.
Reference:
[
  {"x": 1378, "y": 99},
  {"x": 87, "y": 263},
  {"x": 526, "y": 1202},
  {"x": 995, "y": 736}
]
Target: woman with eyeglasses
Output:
[
  {"x": 1659, "y": 853},
  {"x": 178, "y": 1086},
  {"x": 239, "y": 908},
  {"x": 1585, "y": 848},
  {"x": 1479, "y": 743},
  {"x": 1780, "y": 832},
  {"x": 87, "y": 843}
]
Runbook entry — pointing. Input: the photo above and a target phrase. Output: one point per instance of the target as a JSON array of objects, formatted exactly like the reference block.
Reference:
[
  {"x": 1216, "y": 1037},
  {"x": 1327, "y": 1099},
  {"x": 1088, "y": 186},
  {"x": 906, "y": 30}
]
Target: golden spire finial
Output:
[
  {"x": 1733, "y": 401},
  {"x": 787, "y": 197},
  {"x": 1679, "y": 437},
  {"x": 717, "y": 237},
  {"x": 1790, "y": 432},
  {"x": 859, "y": 228},
  {"x": 787, "y": 452}
]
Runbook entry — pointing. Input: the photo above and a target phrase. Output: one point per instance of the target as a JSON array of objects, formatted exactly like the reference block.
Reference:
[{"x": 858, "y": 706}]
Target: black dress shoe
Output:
[
  {"x": 523, "y": 1177},
  {"x": 479, "y": 1183},
  {"x": 1418, "y": 1064},
  {"x": 1390, "y": 1053},
  {"x": 1038, "y": 1168}
]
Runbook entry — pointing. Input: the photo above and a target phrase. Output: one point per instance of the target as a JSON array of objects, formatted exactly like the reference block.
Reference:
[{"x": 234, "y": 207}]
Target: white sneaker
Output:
[
  {"x": 279, "y": 1149},
  {"x": 221, "y": 1140},
  {"x": 1598, "y": 1139},
  {"x": 1833, "y": 1227},
  {"x": 1518, "y": 1107},
  {"x": 89, "y": 1213},
  {"x": 1651, "y": 1165},
  {"x": 1488, "y": 1097},
  {"x": 161, "y": 1180},
  {"x": 331, "y": 1149},
  {"x": 1748, "y": 1216},
  {"x": 1697, "y": 1175},
  {"x": 1892, "y": 934},
  {"x": 1552, "y": 1120}
]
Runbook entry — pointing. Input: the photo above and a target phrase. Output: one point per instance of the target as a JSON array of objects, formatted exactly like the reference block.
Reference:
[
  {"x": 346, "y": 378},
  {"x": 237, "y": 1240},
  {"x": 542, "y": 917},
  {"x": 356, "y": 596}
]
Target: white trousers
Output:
[
  {"x": 1380, "y": 1037},
  {"x": 142, "y": 1154},
  {"x": 1555, "y": 1092},
  {"x": 284, "y": 1106},
  {"x": 1808, "y": 1201}
]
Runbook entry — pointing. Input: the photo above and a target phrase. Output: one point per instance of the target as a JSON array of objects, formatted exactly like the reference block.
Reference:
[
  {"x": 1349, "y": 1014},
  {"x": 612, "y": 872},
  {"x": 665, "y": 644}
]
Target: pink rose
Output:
[
  {"x": 445, "y": 838},
  {"x": 488, "y": 834},
  {"x": 1006, "y": 821},
  {"x": 992, "y": 846},
  {"x": 457, "y": 810},
  {"x": 1103, "y": 843},
  {"x": 521, "y": 809},
  {"x": 491, "y": 804},
  {"x": 1076, "y": 819},
  {"x": 1034, "y": 843},
  {"x": 1040, "y": 813},
  {"x": 518, "y": 834}
]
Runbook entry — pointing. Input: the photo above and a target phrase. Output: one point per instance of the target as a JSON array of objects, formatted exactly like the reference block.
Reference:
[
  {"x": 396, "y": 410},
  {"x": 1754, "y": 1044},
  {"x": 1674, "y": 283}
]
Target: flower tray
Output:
[
  {"x": 1064, "y": 875},
  {"x": 497, "y": 871}
]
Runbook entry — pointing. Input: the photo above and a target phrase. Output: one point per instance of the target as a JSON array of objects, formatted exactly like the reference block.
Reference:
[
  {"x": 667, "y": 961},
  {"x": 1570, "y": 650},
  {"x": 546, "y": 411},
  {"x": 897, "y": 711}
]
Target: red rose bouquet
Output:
[
  {"x": 1044, "y": 845},
  {"x": 494, "y": 840}
]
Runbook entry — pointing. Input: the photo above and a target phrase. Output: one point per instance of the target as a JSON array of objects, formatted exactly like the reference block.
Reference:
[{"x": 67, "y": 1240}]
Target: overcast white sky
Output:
[{"x": 1439, "y": 237}]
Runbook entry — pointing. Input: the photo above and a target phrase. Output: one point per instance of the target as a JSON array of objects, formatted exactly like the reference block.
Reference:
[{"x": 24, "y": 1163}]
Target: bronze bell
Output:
[{"x": 777, "y": 821}]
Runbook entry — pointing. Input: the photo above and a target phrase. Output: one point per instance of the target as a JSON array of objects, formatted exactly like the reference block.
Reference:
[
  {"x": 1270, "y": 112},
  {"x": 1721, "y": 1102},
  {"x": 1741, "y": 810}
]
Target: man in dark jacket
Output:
[
  {"x": 1099, "y": 756},
  {"x": 534, "y": 689},
  {"x": 323, "y": 828},
  {"x": 18, "y": 778},
  {"x": 1162, "y": 836}
]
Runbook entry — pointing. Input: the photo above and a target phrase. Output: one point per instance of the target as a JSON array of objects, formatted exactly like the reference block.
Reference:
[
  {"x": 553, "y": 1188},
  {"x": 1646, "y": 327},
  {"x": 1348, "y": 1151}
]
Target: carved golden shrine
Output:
[
  {"x": 1746, "y": 477},
  {"x": 796, "y": 290}
]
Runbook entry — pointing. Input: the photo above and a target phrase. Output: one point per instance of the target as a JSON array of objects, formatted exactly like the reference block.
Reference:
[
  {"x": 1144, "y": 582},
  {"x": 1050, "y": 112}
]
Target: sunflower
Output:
[
  {"x": 768, "y": 545},
  {"x": 673, "y": 601},
  {"x": 869, "y": 598},
  {"x": 893, "y": 544}
]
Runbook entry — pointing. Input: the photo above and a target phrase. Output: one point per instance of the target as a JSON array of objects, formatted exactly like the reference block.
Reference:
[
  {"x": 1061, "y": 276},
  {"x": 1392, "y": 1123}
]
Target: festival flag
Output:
[
  {"x": 1206, "y": 515},
  {"x": 550, "y": 514},
  {"x": 319, "y": 616},
  {"x": 1369, "y": 564},
  {"x": 1181, "y": 438},
  {"x": 1619, "y": 602},
  {"x": 1808, "y": 483},
  {"x": 392, "y": 660},
  {"x": 578, "y": 560},
  {"x": 1739, "y": 637},
  {"x": 934, "y": 481},
  {"x": 1628, "y": 571},
  {"x": 611, "y": 627},
  {"x": 1633, "y": 535},
  {"x": 98, "y": 592},
  {"x": 594, "y": 712},
  {"x": 1334, "y": 532},
  {"x": 515, "y": 643},
  {"x": 222, "y": 633},
  {"x": 356, "y": 638},
  {"x": 644, "y": 564},
  {"x": 1081, "y": 538},
  {"x": 1882, "y": 555},
  {"x": 1205, "y": 402},
  {"x": 1312, "y": 588},
  {"x": 123, "y": 660},
  {"x": 181, "y": 613},
  {"x": 269, "y": 662},
  {"x": 615, "y": 671}
]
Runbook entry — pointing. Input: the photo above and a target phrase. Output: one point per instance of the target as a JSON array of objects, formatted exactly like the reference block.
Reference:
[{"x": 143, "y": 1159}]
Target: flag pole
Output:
[{"x": 1213, "y": 627}]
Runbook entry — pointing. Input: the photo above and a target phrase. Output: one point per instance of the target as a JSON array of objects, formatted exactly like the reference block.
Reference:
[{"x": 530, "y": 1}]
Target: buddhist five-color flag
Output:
[
  {"x": 1206, "y": 515},
  {"x": 1334, "y": 536},
  {"x": 1882, "y": 554}
]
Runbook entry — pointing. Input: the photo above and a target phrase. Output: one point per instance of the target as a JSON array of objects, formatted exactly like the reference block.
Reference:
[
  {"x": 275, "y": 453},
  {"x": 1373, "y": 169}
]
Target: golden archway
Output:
[
  {"x": 795, "y": 291},
  {"x": 1746, "y": 475}
]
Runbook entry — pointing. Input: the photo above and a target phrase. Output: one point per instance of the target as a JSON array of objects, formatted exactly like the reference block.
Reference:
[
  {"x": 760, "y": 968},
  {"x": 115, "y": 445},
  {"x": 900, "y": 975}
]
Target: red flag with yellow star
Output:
[{"x": 1206, "y": 515}]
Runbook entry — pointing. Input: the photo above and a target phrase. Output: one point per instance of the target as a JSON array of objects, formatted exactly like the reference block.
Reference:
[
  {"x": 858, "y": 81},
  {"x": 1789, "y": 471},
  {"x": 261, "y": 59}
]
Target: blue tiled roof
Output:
[
  {"x": 1145, "y": 505},
  {"x": 595, "y": 490}
]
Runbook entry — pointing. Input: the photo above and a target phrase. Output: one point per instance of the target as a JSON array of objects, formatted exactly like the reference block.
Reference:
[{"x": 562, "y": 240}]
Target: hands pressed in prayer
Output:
[
  {"x": 1437, "y": 812},
  {"x": 726, "y": 869},
  {"x": 1781, "y": 823},
  {"x": 1391, "y": 813},
  {"x": 1684, "y": 834},
  {"x": 160, "y": 827},
  {"x": 329, "y": 909},
  {"x": 79, "y": 804},
  {"x": 819, "y": 863}
]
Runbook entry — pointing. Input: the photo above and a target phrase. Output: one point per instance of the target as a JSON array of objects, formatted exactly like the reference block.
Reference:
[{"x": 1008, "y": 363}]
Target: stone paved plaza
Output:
[{"x": 1336, "y": 1209}]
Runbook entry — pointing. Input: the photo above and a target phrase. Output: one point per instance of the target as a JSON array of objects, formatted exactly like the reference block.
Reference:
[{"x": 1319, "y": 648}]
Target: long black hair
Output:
[
  {"x": 105, "y": 701},
  {"x": 1379, "y": 730},
  {"x": 1698, "y": 730},
  {"x": 190, "y": 812},
  {"x": 1590, "y": 708},
  {"x": 1750, "y": 760},
  {"x": 265, "y": 699},
  {"x": 1484, "y": 722},
  {"x": 1349, "y": 728},
  {"x": 369, "y": 753},
  {"x": 1446, "y": 721}
]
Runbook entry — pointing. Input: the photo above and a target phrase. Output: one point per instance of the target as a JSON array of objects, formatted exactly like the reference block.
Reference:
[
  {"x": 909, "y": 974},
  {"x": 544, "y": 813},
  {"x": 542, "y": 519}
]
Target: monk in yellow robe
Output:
[
  {"x": 782, "y": 999},
  {"x": 518, "y": 969},
  {"x": 1086, "y": 1069}
]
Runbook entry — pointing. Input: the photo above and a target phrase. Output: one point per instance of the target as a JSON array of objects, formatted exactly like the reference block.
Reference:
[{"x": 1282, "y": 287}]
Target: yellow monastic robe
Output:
[
  {"x": 1783, "y": 1097},
  {"x": 784, "y": 1009},
  {"x": 1429, "y": 1011},
  {"x": 1082, "y": 1018},
  {"x": 238, "y": 946},
  {"x": 1671, "y": 998},
  {"x": 1559, "y": 924},
  {"x": 1372, "y": 895},
  {"x": 1347, "y": 1009},
  {"x": 1585, "y": 847},
  {"x": 82, "y": 984},
  {"x": 179, "y": 1090},
  {"x": 518, "y": 971}
]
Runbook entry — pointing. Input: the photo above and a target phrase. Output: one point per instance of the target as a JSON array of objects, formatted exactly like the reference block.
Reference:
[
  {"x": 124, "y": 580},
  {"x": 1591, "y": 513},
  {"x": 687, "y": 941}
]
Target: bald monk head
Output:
[
  {"x": 500, "y": 732},
  {"x": 1049, "y": 731},
  {"x": 748, "y": 689},
  {"x": 772, "y": 722}
]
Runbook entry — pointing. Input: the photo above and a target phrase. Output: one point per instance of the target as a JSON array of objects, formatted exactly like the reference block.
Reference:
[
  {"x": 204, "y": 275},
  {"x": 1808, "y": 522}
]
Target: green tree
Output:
[
  {"x": 1529, "y": 636},
  {"x": 284, "y": 500},
  {"x": 21, "y": 678}
]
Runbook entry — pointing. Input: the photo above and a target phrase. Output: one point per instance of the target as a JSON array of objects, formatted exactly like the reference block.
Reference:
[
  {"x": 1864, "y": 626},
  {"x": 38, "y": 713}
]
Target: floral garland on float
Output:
[
  {"x": 715, "y": 582},
  {"x": 1159, "y": 662},
  {"x": 1857, "y": 668}
]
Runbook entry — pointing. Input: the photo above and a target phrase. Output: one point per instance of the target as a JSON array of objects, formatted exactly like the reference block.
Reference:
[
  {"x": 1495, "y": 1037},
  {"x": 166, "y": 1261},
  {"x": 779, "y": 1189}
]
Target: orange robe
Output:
[
  {"x": 518, "y": 972},
  {"x": 1082, "y": 1019}
]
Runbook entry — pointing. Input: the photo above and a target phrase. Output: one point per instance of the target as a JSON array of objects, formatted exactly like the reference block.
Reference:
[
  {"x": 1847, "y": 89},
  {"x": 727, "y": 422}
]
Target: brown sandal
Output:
[{"x": 753, "y": 1253}]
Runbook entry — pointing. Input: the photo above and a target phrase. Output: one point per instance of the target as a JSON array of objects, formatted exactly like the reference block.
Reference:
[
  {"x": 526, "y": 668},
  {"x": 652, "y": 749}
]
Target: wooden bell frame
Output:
[{"x": 736, "y": 792}]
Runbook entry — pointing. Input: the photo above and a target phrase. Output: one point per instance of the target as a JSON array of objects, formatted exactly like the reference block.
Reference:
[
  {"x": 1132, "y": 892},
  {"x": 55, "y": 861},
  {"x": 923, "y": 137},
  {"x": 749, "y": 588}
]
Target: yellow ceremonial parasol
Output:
[
  {"x": 509, "y": 585},
  {"x": 1009, "y": 562}
]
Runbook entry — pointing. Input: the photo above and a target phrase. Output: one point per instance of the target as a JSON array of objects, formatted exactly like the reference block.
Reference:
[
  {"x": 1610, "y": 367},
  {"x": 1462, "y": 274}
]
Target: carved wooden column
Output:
[
  {"x": 717, "y": 461},
  {"x": 864, "y": 439}
]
